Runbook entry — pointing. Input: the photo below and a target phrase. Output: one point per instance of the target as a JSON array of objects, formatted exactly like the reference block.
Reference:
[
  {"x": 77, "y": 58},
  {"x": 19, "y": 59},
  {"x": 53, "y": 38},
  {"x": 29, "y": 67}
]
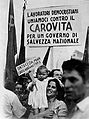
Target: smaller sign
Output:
[
  {"x": 77, "y": 55},
  {"x": 28, "y": 65}
]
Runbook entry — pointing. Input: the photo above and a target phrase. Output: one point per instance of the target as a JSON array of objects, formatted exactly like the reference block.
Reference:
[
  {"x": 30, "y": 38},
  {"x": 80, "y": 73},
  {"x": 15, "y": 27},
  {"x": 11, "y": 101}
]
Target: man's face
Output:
[
  {"x": 74, "y": 85},
  {"x": 58, "y": 74}
]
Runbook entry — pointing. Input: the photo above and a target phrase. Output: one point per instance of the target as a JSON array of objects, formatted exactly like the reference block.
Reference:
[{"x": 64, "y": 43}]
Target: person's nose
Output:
[
  {"x": 68, "y": 83},
  {"x": 41, "y": 75}
]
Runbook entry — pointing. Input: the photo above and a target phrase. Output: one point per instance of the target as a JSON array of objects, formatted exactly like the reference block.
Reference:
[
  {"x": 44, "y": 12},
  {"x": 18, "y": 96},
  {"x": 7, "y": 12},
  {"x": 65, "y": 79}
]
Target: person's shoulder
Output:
[
  {"x": 84, "y": 104},
  {"x": 48, "y": 78},
  {"x": 9, "y": 93}
]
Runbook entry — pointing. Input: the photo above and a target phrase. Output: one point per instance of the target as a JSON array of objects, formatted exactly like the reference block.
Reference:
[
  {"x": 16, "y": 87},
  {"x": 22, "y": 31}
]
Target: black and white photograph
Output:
[{"x": 44, "y": 63}]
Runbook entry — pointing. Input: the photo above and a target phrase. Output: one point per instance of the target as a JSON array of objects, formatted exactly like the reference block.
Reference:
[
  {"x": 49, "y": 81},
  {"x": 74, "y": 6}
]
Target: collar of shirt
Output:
[{"x": 83, "y": 104}]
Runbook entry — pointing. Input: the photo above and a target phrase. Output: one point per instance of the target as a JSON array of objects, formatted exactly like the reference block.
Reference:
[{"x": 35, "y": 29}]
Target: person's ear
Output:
[{"x": 87, "y": 83}]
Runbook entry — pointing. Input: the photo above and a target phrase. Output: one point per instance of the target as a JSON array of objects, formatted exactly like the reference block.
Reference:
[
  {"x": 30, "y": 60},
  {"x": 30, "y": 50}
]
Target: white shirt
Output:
[
  {"x": 12, "y": 107},
  {"x": 83, "y": 110}
]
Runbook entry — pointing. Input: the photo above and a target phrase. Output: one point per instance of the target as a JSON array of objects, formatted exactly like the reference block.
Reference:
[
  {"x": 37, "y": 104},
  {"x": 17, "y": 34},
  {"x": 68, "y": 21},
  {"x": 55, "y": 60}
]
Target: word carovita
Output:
[{"x": 51, "y": 27}]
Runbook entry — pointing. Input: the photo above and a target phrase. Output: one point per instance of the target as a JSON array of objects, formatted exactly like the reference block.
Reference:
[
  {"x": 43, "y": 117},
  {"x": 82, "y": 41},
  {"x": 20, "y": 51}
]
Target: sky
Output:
[{"x": 18, "y": 6}]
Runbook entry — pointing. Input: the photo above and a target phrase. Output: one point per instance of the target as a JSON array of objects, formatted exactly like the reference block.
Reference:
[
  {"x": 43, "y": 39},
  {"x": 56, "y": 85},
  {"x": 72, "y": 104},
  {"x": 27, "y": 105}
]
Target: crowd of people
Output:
[{"x": 52, "y": 94}]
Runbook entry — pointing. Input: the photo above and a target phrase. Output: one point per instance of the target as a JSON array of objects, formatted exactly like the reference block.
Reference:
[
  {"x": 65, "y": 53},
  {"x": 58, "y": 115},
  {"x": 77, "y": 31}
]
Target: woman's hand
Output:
[{"x": 48, "y": 114}]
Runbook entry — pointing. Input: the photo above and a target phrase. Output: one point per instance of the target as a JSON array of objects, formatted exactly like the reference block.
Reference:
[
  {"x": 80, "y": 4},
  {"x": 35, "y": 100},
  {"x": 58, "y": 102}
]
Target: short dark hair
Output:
[
  {"x": 80, "y": 66},
  {"x": 52, "y": 72}
]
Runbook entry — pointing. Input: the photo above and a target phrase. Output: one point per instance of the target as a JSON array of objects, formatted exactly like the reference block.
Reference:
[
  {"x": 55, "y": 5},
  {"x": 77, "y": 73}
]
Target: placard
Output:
[
  {"x": 53, "y": 26},
  {"x": 28, "y": 65}
]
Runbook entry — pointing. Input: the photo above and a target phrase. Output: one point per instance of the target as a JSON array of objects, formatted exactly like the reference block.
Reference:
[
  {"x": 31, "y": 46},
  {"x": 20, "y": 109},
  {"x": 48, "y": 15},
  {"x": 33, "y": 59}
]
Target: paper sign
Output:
[{"x": 28, "y": 65}]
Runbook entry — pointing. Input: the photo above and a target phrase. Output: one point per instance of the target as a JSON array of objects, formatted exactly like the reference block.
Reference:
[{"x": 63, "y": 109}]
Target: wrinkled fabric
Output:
[
  {"x": 37, "y": 97},
  {"x": 12, "y": 107},
  {"x": 82, "y": 111}
]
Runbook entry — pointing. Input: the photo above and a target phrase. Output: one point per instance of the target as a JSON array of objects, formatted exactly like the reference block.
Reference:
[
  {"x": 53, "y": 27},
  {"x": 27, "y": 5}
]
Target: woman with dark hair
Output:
[
  {"x": 56, "y": 108},
  {"x": 59, "y": 87},
  {"x": 57, "y": 73},
  {"x": 54, "y": 97}
]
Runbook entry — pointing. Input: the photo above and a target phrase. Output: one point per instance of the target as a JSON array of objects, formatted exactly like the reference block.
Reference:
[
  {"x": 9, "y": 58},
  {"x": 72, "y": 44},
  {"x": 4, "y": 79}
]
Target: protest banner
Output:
[
  {"x": 28, "y": 65},
  {"x": 53, "y": 26}
]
